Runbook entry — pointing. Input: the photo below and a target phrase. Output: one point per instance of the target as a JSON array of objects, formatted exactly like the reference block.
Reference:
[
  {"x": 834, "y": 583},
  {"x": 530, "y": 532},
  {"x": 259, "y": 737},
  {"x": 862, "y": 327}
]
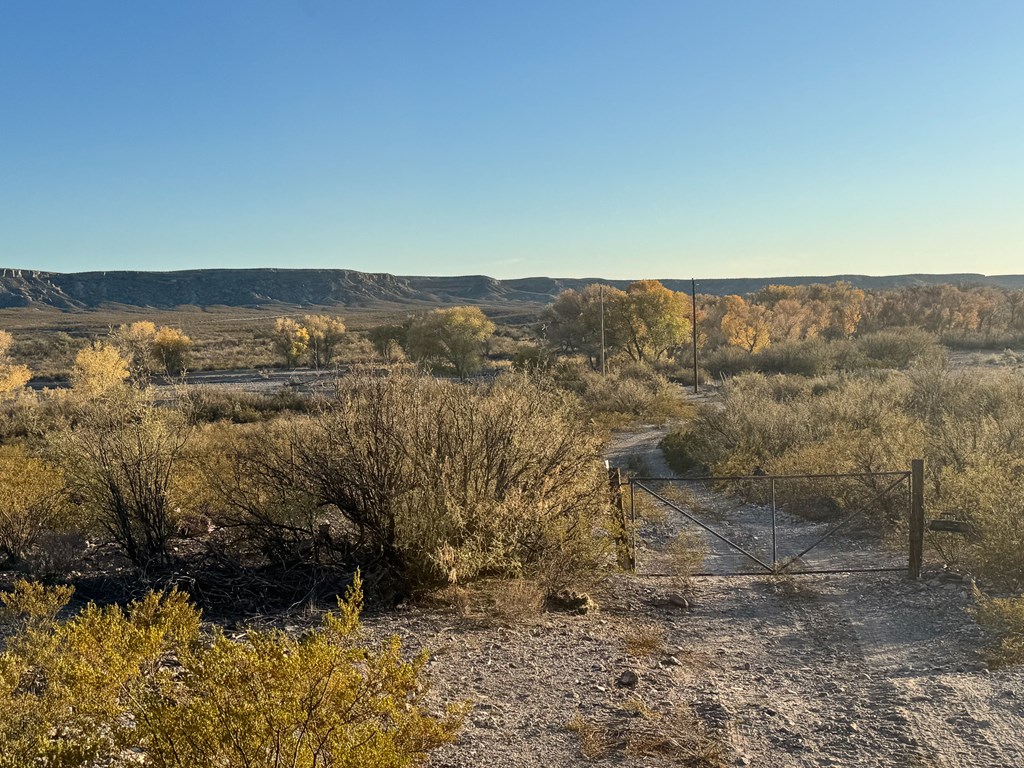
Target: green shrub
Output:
[
  {"x": 897, "y": 347},
  {"x": 142, "y": 686},
  {"x": 1004, "y": 618}
]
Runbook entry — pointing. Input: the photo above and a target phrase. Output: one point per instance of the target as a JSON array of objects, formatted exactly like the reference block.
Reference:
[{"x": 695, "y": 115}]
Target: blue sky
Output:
[{"x": 622, "y": 139}]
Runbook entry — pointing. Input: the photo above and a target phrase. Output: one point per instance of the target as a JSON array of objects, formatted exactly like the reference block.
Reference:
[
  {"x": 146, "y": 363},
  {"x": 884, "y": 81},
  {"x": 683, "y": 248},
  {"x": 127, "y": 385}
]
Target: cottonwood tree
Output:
[
  {"x": 745, "y": 325},
  {"x": 290, "y": 340},
  {"x": 98, "y": 370},
  {"x": 12, "y": 377},
  {"x": 654, "y": 319},
  {"x": 325, "y": 334},
  {"x": 451, "y": 338},
  {"x": 572, "y": 323},
  {"x": 170, "y": 348}
]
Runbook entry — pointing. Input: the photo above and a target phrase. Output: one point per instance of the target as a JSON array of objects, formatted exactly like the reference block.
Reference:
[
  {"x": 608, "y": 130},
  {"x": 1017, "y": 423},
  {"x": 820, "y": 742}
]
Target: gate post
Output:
[
  {"x": 916, "y": 518},
  {"x": 623, "y": 536}
]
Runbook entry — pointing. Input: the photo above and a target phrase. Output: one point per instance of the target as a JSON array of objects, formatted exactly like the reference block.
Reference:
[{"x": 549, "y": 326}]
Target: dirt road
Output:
[
  {"x": 846, "y": 669},
  {"x": 838, "y": 670}
]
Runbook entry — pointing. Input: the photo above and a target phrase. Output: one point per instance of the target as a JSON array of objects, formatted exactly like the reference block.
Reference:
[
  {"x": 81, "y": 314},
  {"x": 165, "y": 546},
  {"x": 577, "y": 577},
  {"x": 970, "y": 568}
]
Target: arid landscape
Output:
[
  {"x": 451, "y": 462},
  {"x": 511, "y": 385}
]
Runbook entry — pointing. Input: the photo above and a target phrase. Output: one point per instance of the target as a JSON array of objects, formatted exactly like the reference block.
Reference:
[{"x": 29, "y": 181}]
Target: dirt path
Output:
[
  {"x": 838, "y": 670},
  {"x": 865, "y": 669}
]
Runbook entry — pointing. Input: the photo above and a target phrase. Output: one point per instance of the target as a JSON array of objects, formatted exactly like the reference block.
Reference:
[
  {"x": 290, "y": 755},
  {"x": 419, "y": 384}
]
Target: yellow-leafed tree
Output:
[
  {"x": 745, "y": 325},
  {"x": 170, "y": 349},
  {"x": 98, "y": 370},
  {"x": 654, "y": 319},
  {"x": 12, "y": 377},
  {"x": 290, "y": 340},
  {"x": 325, "y": 334},
  {"x": 451, "y": 338}
]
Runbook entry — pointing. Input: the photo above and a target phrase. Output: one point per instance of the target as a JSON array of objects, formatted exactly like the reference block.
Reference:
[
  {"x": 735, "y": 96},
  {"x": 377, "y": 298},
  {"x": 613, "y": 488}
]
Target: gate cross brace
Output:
[{"x": 713, "y": 532}]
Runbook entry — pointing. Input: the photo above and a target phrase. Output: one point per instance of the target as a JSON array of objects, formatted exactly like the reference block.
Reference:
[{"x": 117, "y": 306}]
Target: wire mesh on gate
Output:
[{"x": 757, "y": 524}]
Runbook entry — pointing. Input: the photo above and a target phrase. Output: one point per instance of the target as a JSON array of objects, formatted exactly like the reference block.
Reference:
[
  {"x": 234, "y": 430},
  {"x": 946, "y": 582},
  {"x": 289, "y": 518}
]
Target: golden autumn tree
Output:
[
  {"x": 170, "y": 348},
  {"x": 451, "y": 338},
  {"x": 654, "y": 318},
  {"x": 98, "y": 370},
  {"x": 12, "y": 377},
  {"x": 290, "y": 340},
  {"x": 745, "y": 325},
  {"x": 325, "y": 334},
  {"x": 847, "y": 308}
]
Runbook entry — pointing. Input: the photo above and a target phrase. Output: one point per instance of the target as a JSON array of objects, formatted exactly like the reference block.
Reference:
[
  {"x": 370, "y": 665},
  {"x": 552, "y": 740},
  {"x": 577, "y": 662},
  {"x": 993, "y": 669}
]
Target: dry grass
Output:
[
  {"x": 645, "y": 641},
  {"x": 492, "y": 602},
  {"x": 678, "y": 735},
  {"x": 686, "y": 556}
]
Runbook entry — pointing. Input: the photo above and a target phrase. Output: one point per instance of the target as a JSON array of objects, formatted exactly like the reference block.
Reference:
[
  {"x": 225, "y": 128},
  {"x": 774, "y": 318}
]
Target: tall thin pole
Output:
[
  {"x": 602, "y": 330},
  {"x": 693, "y": 291}
]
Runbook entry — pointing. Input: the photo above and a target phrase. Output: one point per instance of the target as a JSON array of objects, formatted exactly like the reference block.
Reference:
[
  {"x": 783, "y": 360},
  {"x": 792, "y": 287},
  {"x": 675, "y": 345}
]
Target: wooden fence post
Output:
[
  {"x": 916, "y": 518},
  {"x": 623, "y": 537}
]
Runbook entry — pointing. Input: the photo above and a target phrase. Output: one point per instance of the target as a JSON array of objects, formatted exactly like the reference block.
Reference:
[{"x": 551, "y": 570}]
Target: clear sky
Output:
[{"x": 621, "y": 139}]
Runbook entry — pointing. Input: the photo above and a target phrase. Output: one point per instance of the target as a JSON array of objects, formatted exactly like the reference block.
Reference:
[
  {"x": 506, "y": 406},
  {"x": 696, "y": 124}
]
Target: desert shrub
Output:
[
  {"x": 686, "y": 556},
  {"x": 728, "y": 361},
  {"x": 625, "y": 395},
  {"x": 209, "y": 404},
  {"x": 435, "y": 481},
  {"x": 969, "y": 428},
  {"x": 677, "y": 450},
  {"x": 808, "y": 357},
  {"x": 989, "y": 494},
  {"x": 1004, "y": 619},
  {"x": 142, "y": 686},
  {"x": 251, "y": 486},
  {"x": 119, "y": 455},
  {"x": 531, "y": 357},
  {"x": 897, "y": 347},
  {"x": 32, "y": 501}
]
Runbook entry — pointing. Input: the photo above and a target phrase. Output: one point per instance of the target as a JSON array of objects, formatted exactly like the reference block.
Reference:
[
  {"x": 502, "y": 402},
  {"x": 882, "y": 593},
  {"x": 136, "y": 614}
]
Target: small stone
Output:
[{"x": 628, "y": 679}]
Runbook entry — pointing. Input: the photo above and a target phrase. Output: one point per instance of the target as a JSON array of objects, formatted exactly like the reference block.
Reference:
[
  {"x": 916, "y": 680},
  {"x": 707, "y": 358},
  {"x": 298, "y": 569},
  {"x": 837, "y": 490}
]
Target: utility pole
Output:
[
  {"x": 602, "y": 330},
  {"x": 693, "y": 292}
]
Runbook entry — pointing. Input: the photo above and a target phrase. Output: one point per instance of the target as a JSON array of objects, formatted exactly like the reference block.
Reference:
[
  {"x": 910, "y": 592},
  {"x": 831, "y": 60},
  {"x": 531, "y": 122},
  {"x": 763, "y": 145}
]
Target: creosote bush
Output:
[
  {"x": 144, "y": 686},
  {"x": 1004, "y": 618},
  {"x": 119, "y": 453},
  {"x": 432, "y": 481},
  {"x": 32, "y": 501}
]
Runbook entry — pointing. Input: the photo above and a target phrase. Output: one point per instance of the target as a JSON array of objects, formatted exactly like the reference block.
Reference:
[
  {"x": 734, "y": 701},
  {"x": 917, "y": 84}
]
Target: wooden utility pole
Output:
[{"x": 693, "y": 292}]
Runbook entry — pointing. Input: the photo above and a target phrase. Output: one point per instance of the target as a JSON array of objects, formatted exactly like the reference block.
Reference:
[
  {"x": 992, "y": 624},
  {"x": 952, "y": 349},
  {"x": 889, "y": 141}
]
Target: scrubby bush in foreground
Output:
[{"x": 143, "y": 686}]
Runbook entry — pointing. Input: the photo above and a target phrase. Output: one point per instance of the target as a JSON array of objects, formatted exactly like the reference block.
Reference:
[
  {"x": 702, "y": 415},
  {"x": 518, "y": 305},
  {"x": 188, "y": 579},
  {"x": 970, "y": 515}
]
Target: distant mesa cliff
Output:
[{"x": 345, "y": 287}]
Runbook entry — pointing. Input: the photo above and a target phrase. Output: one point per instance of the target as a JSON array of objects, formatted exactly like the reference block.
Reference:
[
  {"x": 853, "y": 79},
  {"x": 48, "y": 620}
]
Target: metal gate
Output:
[{"x": 796, "y": 523}]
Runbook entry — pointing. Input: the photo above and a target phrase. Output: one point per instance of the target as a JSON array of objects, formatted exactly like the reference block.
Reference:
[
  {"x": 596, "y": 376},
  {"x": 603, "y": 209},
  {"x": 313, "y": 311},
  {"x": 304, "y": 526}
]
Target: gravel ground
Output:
[{"x": 846, "y": 669}]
